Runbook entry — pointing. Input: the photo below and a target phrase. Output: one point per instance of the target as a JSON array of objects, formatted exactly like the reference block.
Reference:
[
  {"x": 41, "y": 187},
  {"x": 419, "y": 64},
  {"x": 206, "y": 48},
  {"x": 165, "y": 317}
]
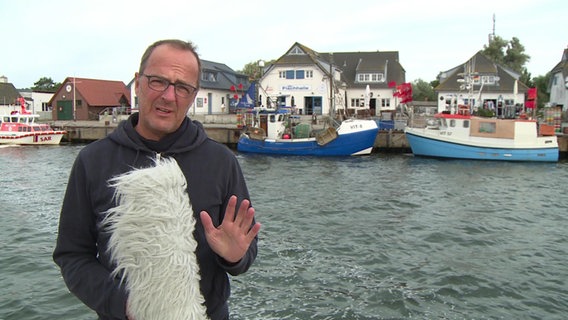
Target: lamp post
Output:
[
  {"x": 500, "y": 107},
  {"x": 257, "y": 102}
]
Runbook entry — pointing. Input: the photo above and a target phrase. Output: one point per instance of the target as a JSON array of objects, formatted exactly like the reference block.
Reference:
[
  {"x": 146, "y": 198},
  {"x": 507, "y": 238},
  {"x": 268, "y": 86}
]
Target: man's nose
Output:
[{"x": 170, "y": 93}]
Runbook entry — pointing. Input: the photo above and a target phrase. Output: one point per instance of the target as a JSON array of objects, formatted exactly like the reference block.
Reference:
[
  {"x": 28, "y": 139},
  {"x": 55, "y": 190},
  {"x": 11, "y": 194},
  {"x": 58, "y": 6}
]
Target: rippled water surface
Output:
[{"x": 375, "y": 237}]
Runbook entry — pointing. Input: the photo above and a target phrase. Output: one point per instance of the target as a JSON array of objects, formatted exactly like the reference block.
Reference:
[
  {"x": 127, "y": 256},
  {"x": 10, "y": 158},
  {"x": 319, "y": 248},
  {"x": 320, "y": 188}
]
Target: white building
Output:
[
  {"x": 301, "y": 79},
  {"x": 37, "y": 101},
  {"x": 558, "y": 86},
  {"x": 480, "y": 83}
]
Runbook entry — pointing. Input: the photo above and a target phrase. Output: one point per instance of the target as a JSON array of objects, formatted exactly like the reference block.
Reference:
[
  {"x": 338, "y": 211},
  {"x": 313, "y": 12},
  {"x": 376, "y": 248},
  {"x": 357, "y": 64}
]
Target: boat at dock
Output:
[
  {"x": 279, "y": 132},
  {"x": 464, "y": 136},
  {"x": 21, "y": 128}
]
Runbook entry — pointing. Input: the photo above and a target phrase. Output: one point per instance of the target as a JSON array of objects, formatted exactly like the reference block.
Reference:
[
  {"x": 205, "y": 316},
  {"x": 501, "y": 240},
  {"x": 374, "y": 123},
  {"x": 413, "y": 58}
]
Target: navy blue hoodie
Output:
[{"x": 213, "y": 175}]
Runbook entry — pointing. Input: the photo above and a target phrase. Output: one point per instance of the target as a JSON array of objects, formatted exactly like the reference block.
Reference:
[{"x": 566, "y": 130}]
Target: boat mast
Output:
[{"x": 331, "y": 79}]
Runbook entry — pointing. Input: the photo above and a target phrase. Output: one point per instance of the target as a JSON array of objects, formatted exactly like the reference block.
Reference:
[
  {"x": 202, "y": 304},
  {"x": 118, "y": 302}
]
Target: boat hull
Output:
[
  {"x": 43, "y": 138},
  {"x": 438, "y": 148},
  {"x": 356, "y": 143}
]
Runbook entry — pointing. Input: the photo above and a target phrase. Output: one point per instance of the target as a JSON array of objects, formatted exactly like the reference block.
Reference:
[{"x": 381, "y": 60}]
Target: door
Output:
[
  {"x": 64, "y": 110},
  {"x": 313, "y": 105}
]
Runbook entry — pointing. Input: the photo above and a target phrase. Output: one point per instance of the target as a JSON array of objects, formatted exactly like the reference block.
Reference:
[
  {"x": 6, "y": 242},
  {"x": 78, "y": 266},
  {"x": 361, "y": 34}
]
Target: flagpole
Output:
[{"x": 535, "y": 104}]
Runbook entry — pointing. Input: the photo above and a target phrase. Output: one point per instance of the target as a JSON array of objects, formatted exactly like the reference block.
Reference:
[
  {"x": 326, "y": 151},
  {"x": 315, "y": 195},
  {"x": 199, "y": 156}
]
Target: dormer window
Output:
[
  {"x": 208, "y": 76},
  {"x": 370, "y": 77}
]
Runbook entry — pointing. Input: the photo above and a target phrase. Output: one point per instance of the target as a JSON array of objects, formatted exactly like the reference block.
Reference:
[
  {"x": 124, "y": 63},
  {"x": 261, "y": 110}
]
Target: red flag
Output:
[
  {"x": 404, "y": 92},
  {"x": 236, "y": 96},
  {"x": 240, "y": 86},
  {"x": 531, "y": 94},
  {"x": 392, "y": 84},
  {"x": 233, "y": 88},
  {"x": 529, "y": 104}
]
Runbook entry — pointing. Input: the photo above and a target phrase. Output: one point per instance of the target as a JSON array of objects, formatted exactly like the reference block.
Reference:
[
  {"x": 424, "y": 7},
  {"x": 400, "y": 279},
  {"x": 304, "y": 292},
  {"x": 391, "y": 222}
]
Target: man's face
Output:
[{"x": 162, "y": 113}]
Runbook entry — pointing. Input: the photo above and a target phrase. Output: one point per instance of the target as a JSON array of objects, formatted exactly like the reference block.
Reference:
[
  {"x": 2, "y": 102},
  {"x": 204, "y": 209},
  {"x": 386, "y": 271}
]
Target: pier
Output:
[{"x": 224, "y": 129}]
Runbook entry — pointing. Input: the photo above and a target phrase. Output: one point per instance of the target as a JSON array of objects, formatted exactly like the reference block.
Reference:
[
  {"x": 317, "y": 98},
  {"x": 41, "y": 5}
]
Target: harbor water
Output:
[{"x": 376, "y": 237}]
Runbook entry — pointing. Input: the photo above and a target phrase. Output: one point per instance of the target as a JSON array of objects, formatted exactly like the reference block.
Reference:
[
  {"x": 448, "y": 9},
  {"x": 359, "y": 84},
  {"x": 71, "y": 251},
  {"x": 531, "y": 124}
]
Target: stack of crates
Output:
[{"x": 553, "y": 117}]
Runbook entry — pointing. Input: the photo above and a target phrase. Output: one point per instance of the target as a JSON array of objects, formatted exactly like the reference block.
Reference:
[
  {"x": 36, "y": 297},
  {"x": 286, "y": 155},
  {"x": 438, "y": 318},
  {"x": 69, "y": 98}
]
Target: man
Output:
[{"x": 225, "y": 232}]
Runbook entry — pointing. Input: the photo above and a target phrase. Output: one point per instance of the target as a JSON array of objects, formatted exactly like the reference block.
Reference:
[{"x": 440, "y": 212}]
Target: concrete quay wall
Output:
[{"x": 224, "y": 129}]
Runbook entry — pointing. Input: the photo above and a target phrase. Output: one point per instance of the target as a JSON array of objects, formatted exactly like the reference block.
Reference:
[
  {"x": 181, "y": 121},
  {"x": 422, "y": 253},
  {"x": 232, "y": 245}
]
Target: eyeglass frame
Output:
[{"x": 176, "y": 85}]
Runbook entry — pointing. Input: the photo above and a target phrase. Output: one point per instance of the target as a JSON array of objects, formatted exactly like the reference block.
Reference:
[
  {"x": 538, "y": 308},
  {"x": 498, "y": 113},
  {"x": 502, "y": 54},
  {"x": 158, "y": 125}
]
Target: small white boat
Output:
[
  {"x": 22, "y": 129},
  {"x": 463, "y": 136}
]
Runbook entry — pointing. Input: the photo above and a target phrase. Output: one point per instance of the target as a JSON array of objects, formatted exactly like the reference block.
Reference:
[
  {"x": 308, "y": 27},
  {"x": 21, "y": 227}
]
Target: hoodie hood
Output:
[{"x": 188, "y": 136}]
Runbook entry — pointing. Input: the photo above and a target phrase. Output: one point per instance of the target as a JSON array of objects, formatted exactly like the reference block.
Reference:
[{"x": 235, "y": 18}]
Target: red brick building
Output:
[{"x": 85, "y": 99}]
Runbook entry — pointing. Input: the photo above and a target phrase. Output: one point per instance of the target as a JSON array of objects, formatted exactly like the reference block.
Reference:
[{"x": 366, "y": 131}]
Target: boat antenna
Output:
[{"x": 492, "y": 35}]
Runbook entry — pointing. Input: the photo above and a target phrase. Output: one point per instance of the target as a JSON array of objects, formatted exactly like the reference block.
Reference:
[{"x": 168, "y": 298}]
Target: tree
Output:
[
  {"x": 422, "y": 91},
  {"x": 510, "y": 54},
  {"x": 515, "y": 57},
  {"x": 541, "y": 83},
  {"x": 45, "y": 84},
  {"x": 254, "y": 70},
  {"x": 495, "y": 50}
]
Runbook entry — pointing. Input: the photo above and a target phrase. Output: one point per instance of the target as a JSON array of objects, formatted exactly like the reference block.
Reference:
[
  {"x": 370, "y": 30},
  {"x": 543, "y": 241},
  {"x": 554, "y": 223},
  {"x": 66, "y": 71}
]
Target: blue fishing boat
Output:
[
  {"x": 281, "y": 133},
  {"x": 463, "y": 136}
]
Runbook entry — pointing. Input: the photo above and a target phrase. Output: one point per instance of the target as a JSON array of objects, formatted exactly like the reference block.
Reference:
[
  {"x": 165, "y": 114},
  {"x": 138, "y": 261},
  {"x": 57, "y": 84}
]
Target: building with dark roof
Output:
[
  {"x": 9, "y": 95},
  {"x": 362, "y": 81},
  {"x": 479, "y": 82},
  {"x": 558, "y": 86},
  {"x": 218, "y": 86}
]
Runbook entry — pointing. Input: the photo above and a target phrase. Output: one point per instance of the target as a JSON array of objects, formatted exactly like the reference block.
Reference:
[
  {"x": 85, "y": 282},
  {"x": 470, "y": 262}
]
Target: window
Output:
[
  {"x": 299, "y": 74},
  {"x": 289, "y": 74},
  {"x": 377, "y": 77},
  {"x": 370, "y": 77},
  {"x": 309, "y": 74},
  {"x": 208, "y": 76},
  {"x": 452, "y": 123},
  {"x": 488, "y": 79},
  {"x": 487, "y": 127},
  {"x": 296, "y": 51},
  {"x": 355, "y": 102},
  {"x": 385, "y": 102},
  {"x": 466, "y": 123}
]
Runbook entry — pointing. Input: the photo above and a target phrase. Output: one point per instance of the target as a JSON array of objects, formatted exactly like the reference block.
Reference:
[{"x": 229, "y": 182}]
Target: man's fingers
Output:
[
  {"x": 253, "y": 232},
  {"x": 230, "y": 212},
  {"x": 207, "y": 222}
]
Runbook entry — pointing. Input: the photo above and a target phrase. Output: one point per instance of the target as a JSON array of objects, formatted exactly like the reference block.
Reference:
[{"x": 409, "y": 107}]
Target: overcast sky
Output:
[{"x": 104, "y": 39}]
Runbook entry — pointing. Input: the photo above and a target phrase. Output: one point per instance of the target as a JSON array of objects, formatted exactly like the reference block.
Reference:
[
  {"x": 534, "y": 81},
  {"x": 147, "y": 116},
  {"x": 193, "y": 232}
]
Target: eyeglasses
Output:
[{"x": 160, "y": 84}]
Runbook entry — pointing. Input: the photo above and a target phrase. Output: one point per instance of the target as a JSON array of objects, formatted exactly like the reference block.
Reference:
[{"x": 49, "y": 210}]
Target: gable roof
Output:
[
  {"x": 348, "y": 63},
  {"x": 225, "y": 77},
  {"x": 353, "y": 63},
  {"x": 481, "y": 65},
  {"x": 562, "y": 66},
  {"x": 8, "y": 94},
  {"x": 299, "y": 54},
  {"x": 98, "y": 93}
]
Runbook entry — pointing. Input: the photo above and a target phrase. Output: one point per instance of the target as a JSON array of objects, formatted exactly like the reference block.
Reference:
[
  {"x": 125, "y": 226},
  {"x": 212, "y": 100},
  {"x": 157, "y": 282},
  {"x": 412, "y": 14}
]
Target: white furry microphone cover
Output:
[{"x": 152, "y": 243}]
